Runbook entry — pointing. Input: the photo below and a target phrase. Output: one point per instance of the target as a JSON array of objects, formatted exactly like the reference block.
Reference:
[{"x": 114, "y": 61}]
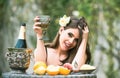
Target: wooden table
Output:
[{"x": 72, "y": 75}]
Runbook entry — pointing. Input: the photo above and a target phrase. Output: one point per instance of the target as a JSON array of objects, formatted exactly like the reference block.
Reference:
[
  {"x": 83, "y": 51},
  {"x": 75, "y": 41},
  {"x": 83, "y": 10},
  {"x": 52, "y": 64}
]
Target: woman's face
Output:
[{"x": 68, "y": 38}]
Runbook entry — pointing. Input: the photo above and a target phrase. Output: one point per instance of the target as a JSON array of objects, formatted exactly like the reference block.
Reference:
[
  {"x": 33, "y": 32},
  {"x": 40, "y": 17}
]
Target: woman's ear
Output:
[{"x": 61, "y": 29}]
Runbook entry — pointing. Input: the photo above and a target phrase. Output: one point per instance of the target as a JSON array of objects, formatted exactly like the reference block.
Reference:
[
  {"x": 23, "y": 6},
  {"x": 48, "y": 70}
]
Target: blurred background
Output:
[{"x": 103, "y": 17}]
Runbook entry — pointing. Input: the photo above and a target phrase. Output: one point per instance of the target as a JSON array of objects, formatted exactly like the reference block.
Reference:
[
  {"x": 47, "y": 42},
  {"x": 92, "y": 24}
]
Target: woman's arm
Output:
[
  {"x": 81, "y": 56},
  {"x": 40, "y": 52}
]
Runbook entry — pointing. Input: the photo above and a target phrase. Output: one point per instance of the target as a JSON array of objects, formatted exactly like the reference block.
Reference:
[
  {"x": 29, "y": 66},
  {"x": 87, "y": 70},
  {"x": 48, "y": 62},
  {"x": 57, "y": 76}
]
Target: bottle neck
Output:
[{"x": 22, "y": 33}]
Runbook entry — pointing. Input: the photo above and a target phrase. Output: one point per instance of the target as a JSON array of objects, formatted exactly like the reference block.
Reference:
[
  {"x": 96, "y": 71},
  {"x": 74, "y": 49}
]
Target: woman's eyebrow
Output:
[{"x": 72, "y": 35}]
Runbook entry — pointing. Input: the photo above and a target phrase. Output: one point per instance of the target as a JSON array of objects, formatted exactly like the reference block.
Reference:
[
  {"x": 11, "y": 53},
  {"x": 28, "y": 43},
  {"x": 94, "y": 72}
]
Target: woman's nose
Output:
[{"x": 71, "y": 40}]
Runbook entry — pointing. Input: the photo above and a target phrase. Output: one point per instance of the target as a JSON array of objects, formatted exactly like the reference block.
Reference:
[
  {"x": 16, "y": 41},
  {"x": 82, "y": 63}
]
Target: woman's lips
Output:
[{"x": 67, "y": 45}]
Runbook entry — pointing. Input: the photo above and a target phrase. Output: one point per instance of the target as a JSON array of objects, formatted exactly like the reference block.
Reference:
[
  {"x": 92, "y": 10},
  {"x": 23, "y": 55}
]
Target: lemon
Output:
[
  {"x": 38, "y": 64},
  {"x": 64, "y": 70},
  {"x": 52, "y": 70},
  {"x": 40, "y": 70}
]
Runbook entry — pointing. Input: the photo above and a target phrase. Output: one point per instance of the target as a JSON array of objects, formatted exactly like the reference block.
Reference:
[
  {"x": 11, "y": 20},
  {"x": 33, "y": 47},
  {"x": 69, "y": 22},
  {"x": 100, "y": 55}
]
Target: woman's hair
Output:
[{"x": 74, "y": 23}]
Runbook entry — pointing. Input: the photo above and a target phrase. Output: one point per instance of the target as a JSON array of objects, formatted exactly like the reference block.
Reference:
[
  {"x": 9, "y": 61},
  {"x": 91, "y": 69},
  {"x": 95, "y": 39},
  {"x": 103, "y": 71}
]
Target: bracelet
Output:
[{"x": 41, "y": 38}]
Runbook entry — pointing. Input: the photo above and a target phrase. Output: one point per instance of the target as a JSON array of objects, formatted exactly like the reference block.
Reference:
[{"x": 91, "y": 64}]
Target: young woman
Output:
[{"x": 70, "y": 46}]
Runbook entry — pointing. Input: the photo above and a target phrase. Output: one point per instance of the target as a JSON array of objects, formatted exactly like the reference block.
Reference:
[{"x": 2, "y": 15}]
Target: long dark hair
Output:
[{"x": 74, "y": 23}]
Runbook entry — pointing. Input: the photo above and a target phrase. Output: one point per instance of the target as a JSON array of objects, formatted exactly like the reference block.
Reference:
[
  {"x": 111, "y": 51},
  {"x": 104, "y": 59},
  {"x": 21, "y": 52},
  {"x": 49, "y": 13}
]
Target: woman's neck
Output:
[
  {"x": 61, "y": 54},
  {"x": 60, "y": 51}
]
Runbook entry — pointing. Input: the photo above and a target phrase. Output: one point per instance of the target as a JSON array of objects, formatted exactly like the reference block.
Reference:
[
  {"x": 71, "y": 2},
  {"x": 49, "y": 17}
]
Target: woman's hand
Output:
[
  {"x": 37, "y": 25},
  {"x": 85, "y": 32},
  {"x": 68, "y": 65}
]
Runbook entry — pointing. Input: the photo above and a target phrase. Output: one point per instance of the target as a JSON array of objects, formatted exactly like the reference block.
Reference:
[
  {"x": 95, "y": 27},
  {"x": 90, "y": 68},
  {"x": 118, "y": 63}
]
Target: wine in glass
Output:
[{"x": 44, "y": 20}]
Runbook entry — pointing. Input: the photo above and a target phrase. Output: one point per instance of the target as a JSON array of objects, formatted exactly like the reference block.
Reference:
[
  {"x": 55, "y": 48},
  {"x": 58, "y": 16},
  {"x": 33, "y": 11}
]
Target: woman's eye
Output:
[
  {"x": 76, "y": 40},
  {"x": 70, "y": 34}
]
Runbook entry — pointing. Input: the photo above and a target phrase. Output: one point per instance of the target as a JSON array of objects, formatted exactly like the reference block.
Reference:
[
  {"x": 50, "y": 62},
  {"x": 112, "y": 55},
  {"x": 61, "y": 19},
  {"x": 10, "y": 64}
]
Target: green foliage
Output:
[
  {"x": 102, "y": 17},
  {"x": 3, "y": 21}
]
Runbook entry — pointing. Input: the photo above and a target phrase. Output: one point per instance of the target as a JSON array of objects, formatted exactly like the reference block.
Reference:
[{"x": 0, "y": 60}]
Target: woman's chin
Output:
[{"x": 64, "y": 48}]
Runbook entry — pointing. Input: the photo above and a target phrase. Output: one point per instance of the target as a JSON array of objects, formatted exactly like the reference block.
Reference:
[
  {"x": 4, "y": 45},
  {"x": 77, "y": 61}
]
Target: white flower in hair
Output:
[{"x": 64, "y": 20}]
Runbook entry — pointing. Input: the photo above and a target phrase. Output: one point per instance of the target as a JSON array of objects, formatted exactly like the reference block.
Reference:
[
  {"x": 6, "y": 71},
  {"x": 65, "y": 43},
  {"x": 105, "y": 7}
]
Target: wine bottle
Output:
[{"x": 21, "y": 42}]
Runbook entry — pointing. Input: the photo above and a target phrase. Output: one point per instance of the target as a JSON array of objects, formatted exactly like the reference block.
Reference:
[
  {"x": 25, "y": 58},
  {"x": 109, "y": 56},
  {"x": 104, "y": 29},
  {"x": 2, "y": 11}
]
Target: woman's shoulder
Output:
[{"x": 50, "y": 49}]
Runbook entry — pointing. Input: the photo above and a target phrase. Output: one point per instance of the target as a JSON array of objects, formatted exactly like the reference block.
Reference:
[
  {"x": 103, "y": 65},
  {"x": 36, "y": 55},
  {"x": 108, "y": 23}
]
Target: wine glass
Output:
[{"x": 44, "y": 20}]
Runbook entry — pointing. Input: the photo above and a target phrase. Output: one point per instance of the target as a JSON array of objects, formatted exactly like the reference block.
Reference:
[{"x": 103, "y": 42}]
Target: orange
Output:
[
  {"x": 38, "y": 64},
  {"x": 40, "y": 70},
  {"x": 52, "y": 70},
  {"x": 63, "y": 70}
]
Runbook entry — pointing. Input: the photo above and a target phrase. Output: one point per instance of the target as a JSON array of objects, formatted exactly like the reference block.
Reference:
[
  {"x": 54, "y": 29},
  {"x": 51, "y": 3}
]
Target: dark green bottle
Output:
[{"x": 21, "y": 43}]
